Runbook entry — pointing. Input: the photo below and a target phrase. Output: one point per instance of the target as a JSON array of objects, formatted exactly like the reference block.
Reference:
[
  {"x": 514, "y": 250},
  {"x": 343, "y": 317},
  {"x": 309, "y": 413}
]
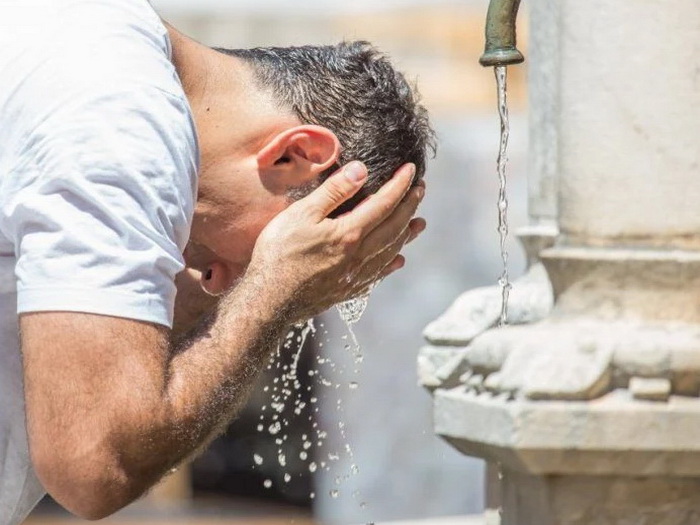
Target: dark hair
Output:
[{"x": 353, "y": 90}]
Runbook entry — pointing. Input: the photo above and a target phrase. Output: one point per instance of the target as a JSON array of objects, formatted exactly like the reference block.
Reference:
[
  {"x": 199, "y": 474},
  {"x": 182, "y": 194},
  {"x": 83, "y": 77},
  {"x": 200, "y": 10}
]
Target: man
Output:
[{"x": 112, "y": 127}]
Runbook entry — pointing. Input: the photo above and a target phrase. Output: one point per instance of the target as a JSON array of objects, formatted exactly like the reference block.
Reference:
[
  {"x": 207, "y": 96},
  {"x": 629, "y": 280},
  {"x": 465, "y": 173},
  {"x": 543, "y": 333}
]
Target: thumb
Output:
[{"x": 337, "y": 188}]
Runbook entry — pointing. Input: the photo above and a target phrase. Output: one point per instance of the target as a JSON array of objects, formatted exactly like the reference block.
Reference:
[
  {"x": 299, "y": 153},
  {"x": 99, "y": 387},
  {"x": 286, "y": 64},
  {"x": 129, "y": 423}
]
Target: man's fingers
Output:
[
  {"x": 398, "y": 263},
  {"x": 416, "y": 227},
  {"x": 337, "y": 188},
  {"x": 375, "y": 263},
  {"x": 372, "y": 211},
  {"x": 388, "y": 231},
  {"x": 361, "y": 288}
]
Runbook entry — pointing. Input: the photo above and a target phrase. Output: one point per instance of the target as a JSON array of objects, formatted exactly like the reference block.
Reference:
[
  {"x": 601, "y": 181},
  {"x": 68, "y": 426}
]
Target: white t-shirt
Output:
[{"x": 98, "y": 164}]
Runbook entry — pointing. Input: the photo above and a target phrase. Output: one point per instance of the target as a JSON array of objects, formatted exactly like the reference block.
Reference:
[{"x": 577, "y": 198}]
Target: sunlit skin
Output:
[{"x": 113, "y": 404}]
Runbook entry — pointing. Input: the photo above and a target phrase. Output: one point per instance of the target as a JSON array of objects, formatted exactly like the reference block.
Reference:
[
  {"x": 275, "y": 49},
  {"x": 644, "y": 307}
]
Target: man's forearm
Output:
[
  {"x": 209, "y": 376},
  {"x": 109, "y": 416}
]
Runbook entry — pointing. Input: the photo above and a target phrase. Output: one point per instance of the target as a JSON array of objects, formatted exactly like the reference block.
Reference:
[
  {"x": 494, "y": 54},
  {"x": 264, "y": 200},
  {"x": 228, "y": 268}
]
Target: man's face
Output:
[
  {"x": 246, "y": 173},
  {"x": 233, "y": 207}
]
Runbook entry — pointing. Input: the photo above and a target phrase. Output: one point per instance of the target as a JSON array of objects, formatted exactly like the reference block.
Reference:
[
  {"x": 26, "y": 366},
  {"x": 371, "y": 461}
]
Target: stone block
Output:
[
  {"x": 650, "y": 389},
  {"x": 610, "y": 436},
  {"x": 599, "y": 500}
]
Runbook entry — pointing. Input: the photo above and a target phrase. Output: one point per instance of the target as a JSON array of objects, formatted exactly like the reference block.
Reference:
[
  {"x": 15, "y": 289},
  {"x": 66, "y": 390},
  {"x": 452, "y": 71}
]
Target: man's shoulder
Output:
[
  {"x": 67, "y": 45},
  {"x": 114, "y": 43},
  {"x": 95, "y": 66}
]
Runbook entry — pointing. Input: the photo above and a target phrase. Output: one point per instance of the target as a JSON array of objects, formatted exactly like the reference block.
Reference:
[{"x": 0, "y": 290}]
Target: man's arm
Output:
[{"x": 112, "y": 406}]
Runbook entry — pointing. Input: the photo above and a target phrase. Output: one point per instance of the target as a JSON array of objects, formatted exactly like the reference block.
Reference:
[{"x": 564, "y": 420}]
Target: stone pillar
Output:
[
  {"x": 593, "y": 413},
  {"x": 628, "y": 123},
  {"x": 543, "y": 88}
]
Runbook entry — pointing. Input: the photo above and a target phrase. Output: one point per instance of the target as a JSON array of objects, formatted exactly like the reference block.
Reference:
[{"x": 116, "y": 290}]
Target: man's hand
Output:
[
  {"x": 313, "y": 261},
  {"x": 302, "y": 241},
  {"x": 112, "y": 406}
]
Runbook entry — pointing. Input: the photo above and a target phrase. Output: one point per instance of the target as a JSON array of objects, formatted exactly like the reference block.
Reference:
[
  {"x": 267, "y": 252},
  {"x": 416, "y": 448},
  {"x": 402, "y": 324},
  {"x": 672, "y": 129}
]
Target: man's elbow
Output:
[{"x": 92, "y": 487}]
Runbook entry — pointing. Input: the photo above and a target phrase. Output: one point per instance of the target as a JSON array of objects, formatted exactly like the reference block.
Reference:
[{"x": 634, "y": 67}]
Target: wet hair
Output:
[{"x": 353, "y": 90}]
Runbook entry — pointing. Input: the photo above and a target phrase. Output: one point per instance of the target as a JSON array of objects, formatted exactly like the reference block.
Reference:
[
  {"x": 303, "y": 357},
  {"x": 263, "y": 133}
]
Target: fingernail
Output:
[
  {"x": 420, "y": 192},
  {"x": 412, "y": 169},
  {"x": 207, "y": 275},
  {"x": 355, "y": 171}
]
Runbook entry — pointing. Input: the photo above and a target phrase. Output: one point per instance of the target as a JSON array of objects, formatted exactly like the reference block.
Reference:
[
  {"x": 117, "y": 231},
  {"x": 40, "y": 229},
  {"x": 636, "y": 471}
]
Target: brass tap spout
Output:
[{"x": 500, "y": 34}]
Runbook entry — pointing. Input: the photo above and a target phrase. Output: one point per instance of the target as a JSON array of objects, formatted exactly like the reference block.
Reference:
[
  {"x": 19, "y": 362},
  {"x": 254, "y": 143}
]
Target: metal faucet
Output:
[{"x": 500, "y": 34}]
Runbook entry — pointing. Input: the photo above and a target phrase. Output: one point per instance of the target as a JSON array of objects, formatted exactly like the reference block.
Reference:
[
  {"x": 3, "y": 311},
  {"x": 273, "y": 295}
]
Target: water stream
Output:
[
  {"x": 504, "y": 280},
  {"x": 350, "y": 312}
]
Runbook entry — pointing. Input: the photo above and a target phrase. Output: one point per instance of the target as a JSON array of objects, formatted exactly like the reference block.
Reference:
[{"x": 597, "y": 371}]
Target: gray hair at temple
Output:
[{"x": 353, "y": 90}]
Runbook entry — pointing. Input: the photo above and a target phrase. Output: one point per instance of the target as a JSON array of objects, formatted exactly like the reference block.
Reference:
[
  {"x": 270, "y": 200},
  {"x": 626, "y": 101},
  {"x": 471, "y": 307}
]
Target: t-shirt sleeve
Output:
[{"x": 100, "y": 207}]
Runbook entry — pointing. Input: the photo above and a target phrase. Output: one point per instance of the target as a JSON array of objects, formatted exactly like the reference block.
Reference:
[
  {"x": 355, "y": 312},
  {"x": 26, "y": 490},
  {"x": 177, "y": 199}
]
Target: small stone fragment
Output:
[{"x": 650, "y": 389}]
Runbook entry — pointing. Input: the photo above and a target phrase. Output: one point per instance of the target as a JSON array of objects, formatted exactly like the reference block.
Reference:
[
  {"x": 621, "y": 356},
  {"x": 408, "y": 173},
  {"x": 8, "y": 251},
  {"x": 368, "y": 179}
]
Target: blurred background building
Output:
[{"x": 403, "y": 470}]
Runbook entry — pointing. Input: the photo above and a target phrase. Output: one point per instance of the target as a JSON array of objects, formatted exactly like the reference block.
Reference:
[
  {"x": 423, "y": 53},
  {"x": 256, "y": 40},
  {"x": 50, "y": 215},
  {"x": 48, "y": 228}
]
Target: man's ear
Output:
[{"x": 299, "y": 154}]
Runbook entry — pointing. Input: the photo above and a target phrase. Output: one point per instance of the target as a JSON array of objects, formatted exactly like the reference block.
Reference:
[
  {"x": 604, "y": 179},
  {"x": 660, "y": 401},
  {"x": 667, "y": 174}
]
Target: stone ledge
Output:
[
  {"x": 613, "y": 435},
  {"x": 457, "y": 520}
]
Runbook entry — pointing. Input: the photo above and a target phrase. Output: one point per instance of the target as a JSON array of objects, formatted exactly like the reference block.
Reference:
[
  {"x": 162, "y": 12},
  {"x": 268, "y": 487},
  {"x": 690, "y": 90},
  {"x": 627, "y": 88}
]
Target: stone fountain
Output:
[{"x": 587, "y": 405}]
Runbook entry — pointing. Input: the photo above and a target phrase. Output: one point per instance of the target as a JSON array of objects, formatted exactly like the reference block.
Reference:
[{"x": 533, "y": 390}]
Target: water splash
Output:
[
  {"x": 286, "y": 388},
  {"x": 504, "y": 280},
  {"x": 351, "y": 310}
]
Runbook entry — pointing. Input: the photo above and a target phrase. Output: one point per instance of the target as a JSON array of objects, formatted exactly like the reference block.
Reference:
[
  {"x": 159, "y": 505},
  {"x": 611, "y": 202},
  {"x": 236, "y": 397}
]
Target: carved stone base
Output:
[
  {"x": 615, "y": 435},
  {"x": 615, "y": 460},
  {"x": 597, "y": 500}
]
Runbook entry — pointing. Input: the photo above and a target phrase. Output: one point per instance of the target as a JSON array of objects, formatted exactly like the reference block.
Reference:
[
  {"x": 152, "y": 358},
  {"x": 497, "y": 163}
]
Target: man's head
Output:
[
  {"x": 304, "y": 111},
  {"x": 352, "y": 90}
]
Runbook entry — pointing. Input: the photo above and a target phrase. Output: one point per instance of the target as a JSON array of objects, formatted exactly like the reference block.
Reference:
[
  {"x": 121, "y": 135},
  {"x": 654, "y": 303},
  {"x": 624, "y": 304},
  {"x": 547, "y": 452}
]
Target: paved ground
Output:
[
  {"x": 240, "y": 521},
  {"x": 203, "y": 511},
  {"x": 176, "y": 521},
  {"x": 461, "y": 520}
]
